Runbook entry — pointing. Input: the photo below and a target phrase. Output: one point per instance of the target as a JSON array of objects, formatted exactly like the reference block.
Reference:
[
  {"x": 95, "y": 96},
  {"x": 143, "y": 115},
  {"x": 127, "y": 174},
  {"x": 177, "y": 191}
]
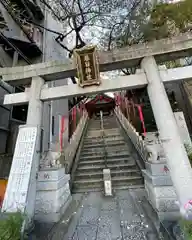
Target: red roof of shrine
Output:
[{"x": 100, "y": 98}]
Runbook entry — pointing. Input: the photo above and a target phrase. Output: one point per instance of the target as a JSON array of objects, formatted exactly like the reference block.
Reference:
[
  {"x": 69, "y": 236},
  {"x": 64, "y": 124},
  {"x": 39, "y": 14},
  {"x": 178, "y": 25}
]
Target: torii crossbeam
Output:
[
  {"x": 137, "y": 80},
  {"x": 162, "y": 50}
]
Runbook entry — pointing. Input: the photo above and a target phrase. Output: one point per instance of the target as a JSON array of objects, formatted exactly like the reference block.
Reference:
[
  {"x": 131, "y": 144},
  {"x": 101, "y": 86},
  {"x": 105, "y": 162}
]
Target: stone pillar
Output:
[
  {"x": 177, "y": 159},
  {"x": 34, "y": 118},
  {"x": 35, "y": 109},
  {"x": 21, "y": 188}
]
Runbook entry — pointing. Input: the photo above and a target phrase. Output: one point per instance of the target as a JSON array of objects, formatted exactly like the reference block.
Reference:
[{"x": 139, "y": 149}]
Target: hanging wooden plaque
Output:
[{"x": 87, "y": 66}]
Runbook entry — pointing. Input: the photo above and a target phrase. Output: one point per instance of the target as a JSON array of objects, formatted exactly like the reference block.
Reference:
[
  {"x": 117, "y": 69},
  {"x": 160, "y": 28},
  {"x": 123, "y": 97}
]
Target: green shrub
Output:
[
  {"x": 187, "y": 228},
  {"x": 11, "y": 225},
  {"x": 189, "y": 152}
]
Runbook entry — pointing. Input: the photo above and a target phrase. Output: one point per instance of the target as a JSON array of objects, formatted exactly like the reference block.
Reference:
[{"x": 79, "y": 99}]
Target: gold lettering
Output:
[
  {"x": 87, "y": 64},
  {"x": 87, "y": 59},
  {"x": 88, "y": 70},
  {"x": 89, "y": 77}
]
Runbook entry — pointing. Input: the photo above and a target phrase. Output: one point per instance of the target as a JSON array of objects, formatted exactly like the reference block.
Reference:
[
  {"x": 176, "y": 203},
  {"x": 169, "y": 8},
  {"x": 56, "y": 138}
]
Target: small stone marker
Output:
[{"x": 107, "y": 182}]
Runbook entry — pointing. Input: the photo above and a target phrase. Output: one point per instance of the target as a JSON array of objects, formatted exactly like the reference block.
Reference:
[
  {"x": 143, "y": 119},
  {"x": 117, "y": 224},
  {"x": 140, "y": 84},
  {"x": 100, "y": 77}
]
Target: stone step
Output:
[
  {"x": 114, "y": 173},
  {"x": 88, "y": 184},
  {"x": 101, "y": 189},
  {"x": 126, "y": 181},
  {"x": 99, "y": 145},
  {"x": 107, "y": 137},
  {"x": 112, "y": 123},
  {"x": 100, "y": 140},
  {"x": 105, "y": 123},
  {"x": 96, "y": 151},
  {"x": 113, "y": 129},
  {"x": 105, "y": 119},
  {"x": 101, "y": 166},
  {"x": 136, "y": 186},
  {"x": 109, "y": 151},
  {"x": 99, "y": 134},
  {"x": 111, "y": 120},
  {"x": 91, "y": 162},
  {"x": 120, "y": 154},
  {"x": 76, "y": 189},
  {"x": 125, "y": 172},
  {"x": 105, "y": 126},
  {"x": 108, "y": 161},
  {"x": 98, "y": 184},
  {"x": 87, "y": 175},
  {"x": 109, "y": 131}
]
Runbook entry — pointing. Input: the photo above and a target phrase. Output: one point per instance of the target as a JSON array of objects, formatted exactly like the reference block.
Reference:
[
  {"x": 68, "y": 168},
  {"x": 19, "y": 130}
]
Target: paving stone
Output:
[
  {"x": 121, "y": 194},
  {"x": 109, "y": 225},
  {"x": 93, "y": 199},
  {"x": 115, "y": 218},
  {"x": 90, "y": 215},
  {"x": 109, "y": 205},
  {"x": 87, "y": 232}
]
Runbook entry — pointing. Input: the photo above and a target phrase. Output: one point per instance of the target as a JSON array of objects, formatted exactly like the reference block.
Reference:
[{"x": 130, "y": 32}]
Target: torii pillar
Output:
[
  {"x": 21, "y": 189},
  {"x": 176, "y": 155}
]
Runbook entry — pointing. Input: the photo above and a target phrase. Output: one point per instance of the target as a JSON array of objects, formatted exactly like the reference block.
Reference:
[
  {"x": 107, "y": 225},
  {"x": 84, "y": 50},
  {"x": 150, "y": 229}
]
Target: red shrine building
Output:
[{"x": 101, "y": 102}]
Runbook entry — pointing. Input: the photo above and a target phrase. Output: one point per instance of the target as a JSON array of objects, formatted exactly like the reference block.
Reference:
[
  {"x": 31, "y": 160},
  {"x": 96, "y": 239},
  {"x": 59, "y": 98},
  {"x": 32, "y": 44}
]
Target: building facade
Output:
[{"x": 27, "y": 36}]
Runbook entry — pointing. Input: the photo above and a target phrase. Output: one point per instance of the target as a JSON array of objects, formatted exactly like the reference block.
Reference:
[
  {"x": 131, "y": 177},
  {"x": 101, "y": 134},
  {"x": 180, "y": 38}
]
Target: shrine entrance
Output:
[
  {"x": 144, "y": 57},
  {"x": 100, "y": 102}
]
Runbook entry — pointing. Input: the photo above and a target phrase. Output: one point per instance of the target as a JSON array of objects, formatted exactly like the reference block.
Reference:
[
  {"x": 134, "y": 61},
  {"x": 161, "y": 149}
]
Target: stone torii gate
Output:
[{"x": 147, "y": 56}]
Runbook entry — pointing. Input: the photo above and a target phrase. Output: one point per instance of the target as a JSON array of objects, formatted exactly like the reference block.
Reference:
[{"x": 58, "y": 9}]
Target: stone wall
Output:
[
  {"x": 132, "y": 134},
  {"x": 158, "y": 184},
  {"x": 53, "y": 195},
  {"x": 53, "y": 190}
]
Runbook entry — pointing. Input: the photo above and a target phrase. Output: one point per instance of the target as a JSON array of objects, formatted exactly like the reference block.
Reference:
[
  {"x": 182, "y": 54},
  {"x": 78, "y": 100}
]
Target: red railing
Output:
[
  {"x": 130, "y": 110},
  {"x": 74, "y": 116}
]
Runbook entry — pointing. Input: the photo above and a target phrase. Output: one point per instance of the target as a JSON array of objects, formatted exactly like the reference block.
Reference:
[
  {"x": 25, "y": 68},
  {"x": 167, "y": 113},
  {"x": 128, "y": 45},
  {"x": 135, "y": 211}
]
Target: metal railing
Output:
[{"x": 103, "y": 139}]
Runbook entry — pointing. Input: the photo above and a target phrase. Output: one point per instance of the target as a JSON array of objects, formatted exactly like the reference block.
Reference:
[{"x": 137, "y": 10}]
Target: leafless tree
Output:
[{"x": 118, "y": 21}]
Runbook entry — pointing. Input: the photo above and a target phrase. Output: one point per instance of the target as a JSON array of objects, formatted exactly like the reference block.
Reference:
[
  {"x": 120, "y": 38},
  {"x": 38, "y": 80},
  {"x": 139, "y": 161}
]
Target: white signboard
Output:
[{"x": 19, "y": 178}]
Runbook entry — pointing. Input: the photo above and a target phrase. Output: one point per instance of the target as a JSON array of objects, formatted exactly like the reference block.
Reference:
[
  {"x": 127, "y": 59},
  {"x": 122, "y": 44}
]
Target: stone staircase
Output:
[{"x": 119, "y": 158}]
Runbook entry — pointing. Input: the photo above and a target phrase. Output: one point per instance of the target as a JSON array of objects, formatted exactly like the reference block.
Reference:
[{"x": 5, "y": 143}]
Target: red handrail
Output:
[
  {"x": 74, "y": 116},
  {"x": 124, "y": 103}
]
